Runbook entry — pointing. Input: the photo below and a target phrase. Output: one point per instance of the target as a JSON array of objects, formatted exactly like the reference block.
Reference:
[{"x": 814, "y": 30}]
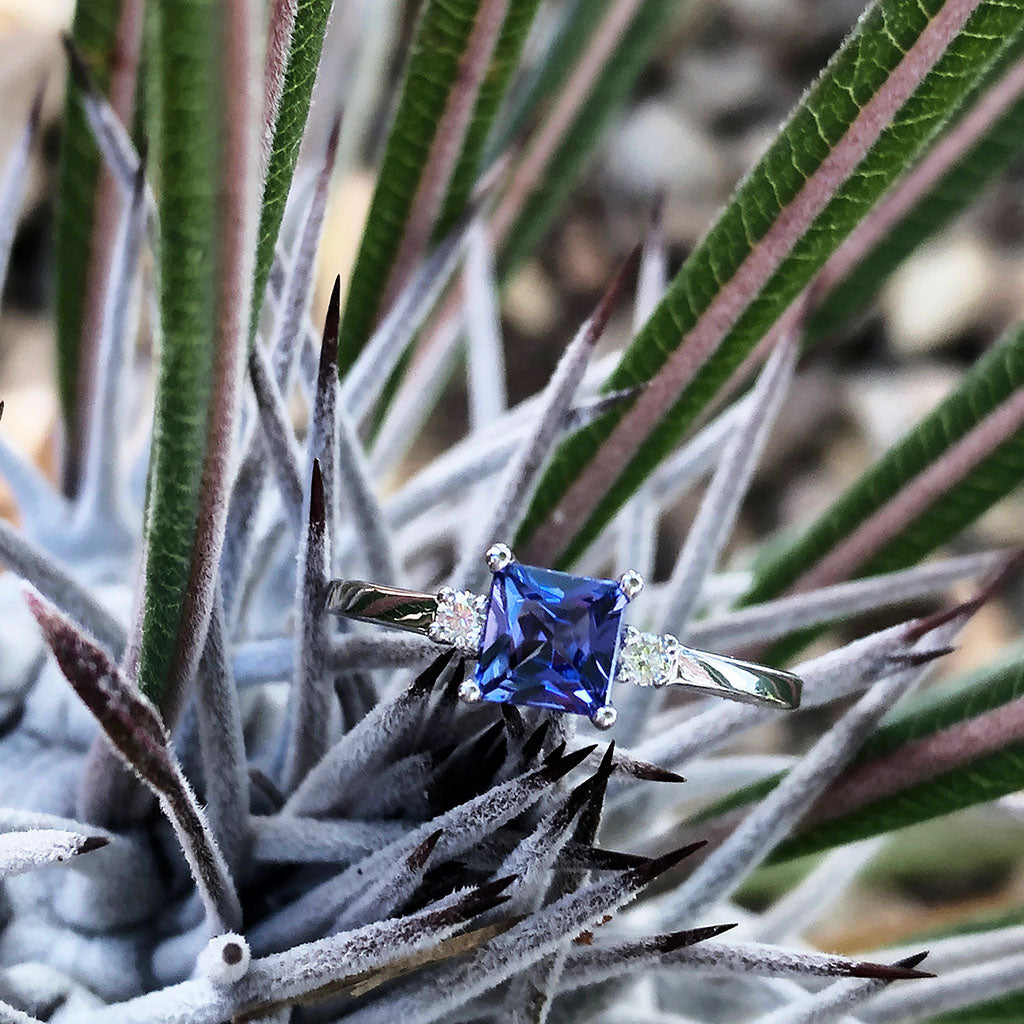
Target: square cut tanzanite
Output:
[{"x": 550, "y": 639}]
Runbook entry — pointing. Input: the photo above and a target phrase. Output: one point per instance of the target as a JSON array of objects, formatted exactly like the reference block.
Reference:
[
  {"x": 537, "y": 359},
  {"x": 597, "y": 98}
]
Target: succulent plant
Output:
[{"x": 217, "y": 801}]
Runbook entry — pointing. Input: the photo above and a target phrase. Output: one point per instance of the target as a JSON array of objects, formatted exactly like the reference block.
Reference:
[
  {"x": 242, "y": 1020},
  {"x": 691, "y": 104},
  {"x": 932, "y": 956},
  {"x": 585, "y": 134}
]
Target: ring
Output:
[{"x": 546, "y": 639}]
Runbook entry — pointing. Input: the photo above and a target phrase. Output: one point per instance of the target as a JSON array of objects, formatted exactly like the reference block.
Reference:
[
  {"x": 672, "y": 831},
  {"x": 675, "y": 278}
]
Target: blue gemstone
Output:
[{"x": 550, "y": 639}]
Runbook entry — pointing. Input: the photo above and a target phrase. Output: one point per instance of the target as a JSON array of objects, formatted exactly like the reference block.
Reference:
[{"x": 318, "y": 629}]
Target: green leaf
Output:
[
  {"x": 569, "y": 39},
  {"x": 431, "y": 77},
  {"x": 977, "y": 167},
  {"x": 994, "y": 379},
  {"x": 93, "y": 31},
  {"x": 504, "y": 62},
  {"x": 303, "y": 60},
  {"x": 187, "y": 55},
  {"x": 819, "y": 130},
  {"x": 605, "y": 99},
  {"x": 973, "y": 779}
]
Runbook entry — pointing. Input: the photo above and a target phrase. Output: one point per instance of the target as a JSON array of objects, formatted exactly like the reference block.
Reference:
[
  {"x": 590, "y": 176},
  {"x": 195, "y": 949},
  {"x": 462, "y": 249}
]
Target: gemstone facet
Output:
[
  {"x": 459, "y": 619},
  {"x": 647, "y": 659},
  {"x": 550, "y": 639}
]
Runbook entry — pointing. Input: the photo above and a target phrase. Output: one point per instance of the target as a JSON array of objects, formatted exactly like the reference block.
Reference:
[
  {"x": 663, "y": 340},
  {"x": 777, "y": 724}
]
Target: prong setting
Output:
[
  {"x": 604, "y": 717},
  {"x": 632, "y": 583},
  {"x": 469, "y": 692},
  {"x": 498, "y": 556}
]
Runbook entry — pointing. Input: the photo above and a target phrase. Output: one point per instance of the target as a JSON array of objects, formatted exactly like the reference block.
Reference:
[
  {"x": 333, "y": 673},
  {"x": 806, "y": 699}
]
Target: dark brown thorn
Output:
[
  {"x": 607, "y": 765},
  {"x": 35, "y": 113},
  {"x": 648, "y": 772},
  {"x": 556, "y": 770},
  {"x": 659, "y": 865},
  {"x": 419, "y": 857},
  {"x": 91, "y": 843},
  {"x": 971, "y": 605},
  {"x": 691, "y": 936},
  {"x": 555, "y": 754},
  {"x": 899, "y": 971},
  {"x": 595, "y": 858},
  {"x": 534, "y": 742},
  {"x": 329, "y": 346},
  {"x": 913, "y": 658},
  {"x": 80, "y": 71},
  {"x": 605, "y": 307},
  {"x": 317, "y": 507},
  {"x": 428, "y": 678},
  {"x": 514, "y": 724},
  {"x": 441, "y": 754}
]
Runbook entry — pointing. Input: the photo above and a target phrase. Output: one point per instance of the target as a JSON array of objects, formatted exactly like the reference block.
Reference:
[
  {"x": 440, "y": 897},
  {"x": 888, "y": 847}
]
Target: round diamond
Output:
[
  {"x": 459, "y": 619},
  {"x": 646, "y": 659}
]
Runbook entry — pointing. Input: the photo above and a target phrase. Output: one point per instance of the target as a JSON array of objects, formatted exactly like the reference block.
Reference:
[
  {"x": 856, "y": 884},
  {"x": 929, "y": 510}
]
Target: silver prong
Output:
[
  {"x": 446, "y": 595},
  {"x": 604, "y": 717},
  {"x": 470, "y": 692},
  {"x": 632, "y": 583},
  {"x": 498, "y": 556}
]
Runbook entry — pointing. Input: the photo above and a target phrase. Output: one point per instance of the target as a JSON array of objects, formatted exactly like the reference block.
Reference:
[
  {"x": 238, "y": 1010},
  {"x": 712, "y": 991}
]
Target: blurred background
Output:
[{"x": 719, "y": 85}]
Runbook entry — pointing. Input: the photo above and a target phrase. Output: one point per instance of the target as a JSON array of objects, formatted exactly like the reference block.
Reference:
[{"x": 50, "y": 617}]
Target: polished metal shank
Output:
[{"x": 384, "y": 606}]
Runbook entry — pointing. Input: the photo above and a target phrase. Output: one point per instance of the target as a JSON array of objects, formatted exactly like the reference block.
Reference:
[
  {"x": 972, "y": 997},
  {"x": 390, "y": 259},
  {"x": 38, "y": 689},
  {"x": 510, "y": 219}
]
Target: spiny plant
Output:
[{"x": 331, "y": 835}]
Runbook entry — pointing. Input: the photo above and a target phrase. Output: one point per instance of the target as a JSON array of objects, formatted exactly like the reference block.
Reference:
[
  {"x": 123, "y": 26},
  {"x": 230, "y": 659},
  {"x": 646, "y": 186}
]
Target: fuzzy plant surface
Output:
[{"x": 219, "y": 803}]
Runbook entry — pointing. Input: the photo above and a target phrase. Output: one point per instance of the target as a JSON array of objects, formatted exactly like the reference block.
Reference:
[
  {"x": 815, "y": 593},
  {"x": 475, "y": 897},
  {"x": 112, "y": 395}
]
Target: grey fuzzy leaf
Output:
[
  {"x": 516, "y": 485},
  {"x": 280, "y": 437},
  {"x": 591, "y": 965},
  {"x": 284, "y": 839},
  {"x": 364, "y": 382},
  {"x": 487, "y": 390},
  {"x": 833, "y": 1003},
  {"x": 714, "y": 521},
  {"x": 134, "y": 730},
  {"x": 57, "y": 583},
  {"x": 33, "y": 848},
  {"x": 775, "y": 815},
  {"x": 762, "y": 623},
  {"x": 448, "y": 987}
]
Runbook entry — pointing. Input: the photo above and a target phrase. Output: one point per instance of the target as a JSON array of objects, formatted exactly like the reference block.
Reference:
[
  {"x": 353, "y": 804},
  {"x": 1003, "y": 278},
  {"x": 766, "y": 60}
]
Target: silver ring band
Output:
[{"x": 645, "y": 659}]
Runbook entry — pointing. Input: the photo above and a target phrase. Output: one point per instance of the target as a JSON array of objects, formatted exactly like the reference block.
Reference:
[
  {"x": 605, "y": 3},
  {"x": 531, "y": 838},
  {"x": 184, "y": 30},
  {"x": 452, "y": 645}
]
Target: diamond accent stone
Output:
[
  {"x": 550, "y": 640},
  {"x": 459, "y": 619},
  {"x": 646, "y": 659}
]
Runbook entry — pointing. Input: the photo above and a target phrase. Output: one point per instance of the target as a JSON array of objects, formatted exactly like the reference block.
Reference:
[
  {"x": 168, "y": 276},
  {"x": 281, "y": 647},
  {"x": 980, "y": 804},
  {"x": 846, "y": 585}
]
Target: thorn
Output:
[
  {"x": 441, "y": 754},
  {"x": 912, "y": 658},
  {"x": 76, "y": 62},
  {"x": 559, "y": 769},
  {"x": 555, "y": 754},
  {"x": 603, "y": 313},
  {"x": 329, "y": 347},
  {"x": 317, "y": 514},
  {"x": 513, "y": 722},
  {"x": 35, "y": 114},
  {"x": 649, "y": 772},
  {"x": 427, "y": 679},
  {"x": 889, "y": 972},
  {"x": 607, "y": 765},
  {"x": 419, "y": 857},
  {"x": 972, "y": 604},
  {"x": 596, "y": 859},
  {"x": 91, "y": 843},
  {"x": 659, "y": 865},
  {"x": 486, "y": 740},
  {"x": 691, "y": 936},
  {"x": 485, "y": 897},
  {"x": 534, "y": 742},
  {"x": 912, "y": 961}
]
